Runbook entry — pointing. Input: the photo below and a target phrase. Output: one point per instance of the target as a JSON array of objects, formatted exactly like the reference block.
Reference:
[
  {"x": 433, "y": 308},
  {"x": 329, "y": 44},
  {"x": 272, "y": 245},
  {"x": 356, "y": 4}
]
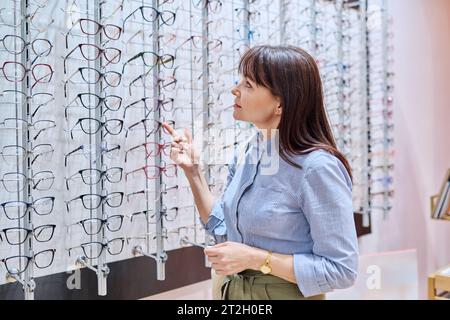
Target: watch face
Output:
[{"x": 265, "y": 269}]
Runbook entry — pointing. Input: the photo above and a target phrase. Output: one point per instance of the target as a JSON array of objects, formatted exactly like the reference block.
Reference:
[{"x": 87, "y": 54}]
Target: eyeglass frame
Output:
[
  {"x": 34, "y": 187},
  {"x": 103, "y": 246},
  {"x": 161, "y": 147},
  {"x": 162, "y": 170},
  {"x": 29, "y": 232},
  {"x": 100, "y": 101},
  {"x": 103, "y": 175},
  {"x": 101, "y": 27},
  {"x": 102, "y": 124},
  {"x": 28, "y": 151},
  {"x": 158, "y": 15},
  {"x": 103, "y": 223},
  {"x": 26, "y": 71},
  {"x": 28, "y": 261},
  {"x": 29, "y": 205},
  {"x": 99, "y": 50},
  {"x": 81, "y": 147},
  {"x": 103, "y": 199}
]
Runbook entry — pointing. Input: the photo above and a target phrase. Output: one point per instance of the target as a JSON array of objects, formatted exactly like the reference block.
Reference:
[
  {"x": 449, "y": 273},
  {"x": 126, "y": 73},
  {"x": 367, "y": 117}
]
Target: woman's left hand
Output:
[{"x": 232, "y": 257}]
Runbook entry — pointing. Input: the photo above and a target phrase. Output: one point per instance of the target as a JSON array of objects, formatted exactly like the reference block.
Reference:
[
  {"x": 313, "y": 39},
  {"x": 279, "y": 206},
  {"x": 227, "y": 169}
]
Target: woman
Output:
[{"x": 287, "y": 233}]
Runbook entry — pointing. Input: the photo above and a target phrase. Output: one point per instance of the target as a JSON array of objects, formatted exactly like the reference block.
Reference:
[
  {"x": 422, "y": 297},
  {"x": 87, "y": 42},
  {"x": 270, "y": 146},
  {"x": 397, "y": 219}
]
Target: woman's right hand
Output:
[{"x": 183, "y": 152}]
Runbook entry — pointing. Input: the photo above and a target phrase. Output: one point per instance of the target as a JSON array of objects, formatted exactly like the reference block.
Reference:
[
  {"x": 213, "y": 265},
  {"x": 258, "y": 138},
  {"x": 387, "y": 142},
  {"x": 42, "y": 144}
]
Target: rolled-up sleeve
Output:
[
  {"x": 216, "y": 226},
  {"x": 326, "y": 201}
]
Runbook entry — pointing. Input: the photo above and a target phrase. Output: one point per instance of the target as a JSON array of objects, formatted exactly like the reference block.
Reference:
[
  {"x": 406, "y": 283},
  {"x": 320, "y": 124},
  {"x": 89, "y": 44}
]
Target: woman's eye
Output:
[{"x": 248, "y": 85}]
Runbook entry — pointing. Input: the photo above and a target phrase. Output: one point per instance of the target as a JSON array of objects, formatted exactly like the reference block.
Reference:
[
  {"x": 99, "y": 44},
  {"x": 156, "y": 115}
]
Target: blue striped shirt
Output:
[{"x": 308, "y": 213}]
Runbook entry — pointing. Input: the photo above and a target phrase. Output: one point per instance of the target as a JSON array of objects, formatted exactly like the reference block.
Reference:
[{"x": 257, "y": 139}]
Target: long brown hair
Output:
[{"x": 291, "y": 74}]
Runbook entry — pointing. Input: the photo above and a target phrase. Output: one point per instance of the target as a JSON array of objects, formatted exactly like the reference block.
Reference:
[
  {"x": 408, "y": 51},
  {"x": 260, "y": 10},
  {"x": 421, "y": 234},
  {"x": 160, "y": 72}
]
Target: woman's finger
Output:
[
  {"x": 176, "y": 151},
  {"x": 184, "y": 145},
  {"x": 213, "y": 259},
  {"x": 170, "y": 130},
  {"x": 188, "y": 135},
  {"x": 176, "y": 145},
  {"x": 210, "y": 251},
  {"x": 220, "y": 272},
  {"x": 181, "y": 138}
]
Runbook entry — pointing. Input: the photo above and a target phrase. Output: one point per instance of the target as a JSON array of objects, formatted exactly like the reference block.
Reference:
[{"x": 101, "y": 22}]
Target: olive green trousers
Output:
[{"x": 254, "y": 285}]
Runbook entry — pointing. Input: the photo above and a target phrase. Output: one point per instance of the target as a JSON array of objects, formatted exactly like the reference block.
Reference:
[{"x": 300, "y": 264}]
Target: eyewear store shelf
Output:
[{"x": 88, "y": 188}]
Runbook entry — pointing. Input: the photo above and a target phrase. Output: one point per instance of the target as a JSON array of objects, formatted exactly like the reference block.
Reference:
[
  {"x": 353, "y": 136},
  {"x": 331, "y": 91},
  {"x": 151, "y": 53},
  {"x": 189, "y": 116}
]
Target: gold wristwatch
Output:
[{"x": 265, "y": 267}]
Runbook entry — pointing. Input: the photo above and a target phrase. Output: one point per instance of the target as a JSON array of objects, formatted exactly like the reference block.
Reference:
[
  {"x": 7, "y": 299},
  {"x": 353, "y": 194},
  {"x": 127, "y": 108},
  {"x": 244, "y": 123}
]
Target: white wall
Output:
[{"x": 422, "y": 134}]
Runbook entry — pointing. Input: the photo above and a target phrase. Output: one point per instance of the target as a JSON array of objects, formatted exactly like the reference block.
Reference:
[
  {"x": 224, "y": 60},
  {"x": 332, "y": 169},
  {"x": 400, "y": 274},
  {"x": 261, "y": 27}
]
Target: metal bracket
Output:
[
  {"x": 27, "y": 286},
  {"x": 137, "y": 250},
  {"x": 160, "y": 261},
  {"x": 82, "y": 261},
  {"x": 185, "y": 240},
  {"x": 102, "y": 274}
]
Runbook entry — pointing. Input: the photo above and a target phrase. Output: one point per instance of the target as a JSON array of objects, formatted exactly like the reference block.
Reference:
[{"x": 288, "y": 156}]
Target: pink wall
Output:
[{"x": 422, "y": 134}]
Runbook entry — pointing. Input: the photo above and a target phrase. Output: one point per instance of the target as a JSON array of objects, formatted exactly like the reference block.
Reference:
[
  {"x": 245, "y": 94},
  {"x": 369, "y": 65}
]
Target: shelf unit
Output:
[{"x": 439, "y": 284}]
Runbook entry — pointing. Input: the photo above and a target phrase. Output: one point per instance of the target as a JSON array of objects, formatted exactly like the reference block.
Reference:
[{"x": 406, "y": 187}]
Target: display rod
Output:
[
  {"x": 102, "y": 267},
  {"x": 28, "y": 281},
  {"x": 160, "y": 253},
  {"x": 366, "y": 110},
  {"x": 385, "y": 57}
]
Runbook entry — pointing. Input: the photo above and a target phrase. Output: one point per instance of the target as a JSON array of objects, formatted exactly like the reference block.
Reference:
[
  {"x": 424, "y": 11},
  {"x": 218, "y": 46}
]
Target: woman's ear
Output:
[{"x": 279, "y": 107}]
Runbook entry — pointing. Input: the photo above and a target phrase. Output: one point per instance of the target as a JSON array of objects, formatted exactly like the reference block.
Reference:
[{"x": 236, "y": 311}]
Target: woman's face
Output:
[{"x": 256, "y": 104}]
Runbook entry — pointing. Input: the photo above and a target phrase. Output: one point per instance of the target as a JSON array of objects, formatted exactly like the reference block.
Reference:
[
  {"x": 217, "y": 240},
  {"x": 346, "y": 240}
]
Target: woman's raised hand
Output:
[{"x": 182, "y": 152}]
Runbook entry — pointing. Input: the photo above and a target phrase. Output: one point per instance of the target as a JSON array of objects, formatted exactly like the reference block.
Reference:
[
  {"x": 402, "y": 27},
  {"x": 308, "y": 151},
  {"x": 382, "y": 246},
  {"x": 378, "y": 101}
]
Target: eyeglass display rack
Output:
[
  {"x": 89, "y": 258},
  {"x": 27, "y": 279},
  {"x": 381, "y": 55},
  {"x": 196, "y": 45},
  {"x": 25, "y": 181},
  {"x": 160, "y": 208}
]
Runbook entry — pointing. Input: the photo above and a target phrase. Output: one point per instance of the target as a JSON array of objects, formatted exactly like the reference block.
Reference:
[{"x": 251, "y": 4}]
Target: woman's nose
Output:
[{"x": 235, "y": 91}]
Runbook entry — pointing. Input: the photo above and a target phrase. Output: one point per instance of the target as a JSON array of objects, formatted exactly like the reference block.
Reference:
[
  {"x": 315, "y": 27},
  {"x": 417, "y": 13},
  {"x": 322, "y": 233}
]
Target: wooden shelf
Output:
[
  {"x": 361, "y": 230},
  {"x": 439, "y": 284},
  {"x": 434, "y": 199}
]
